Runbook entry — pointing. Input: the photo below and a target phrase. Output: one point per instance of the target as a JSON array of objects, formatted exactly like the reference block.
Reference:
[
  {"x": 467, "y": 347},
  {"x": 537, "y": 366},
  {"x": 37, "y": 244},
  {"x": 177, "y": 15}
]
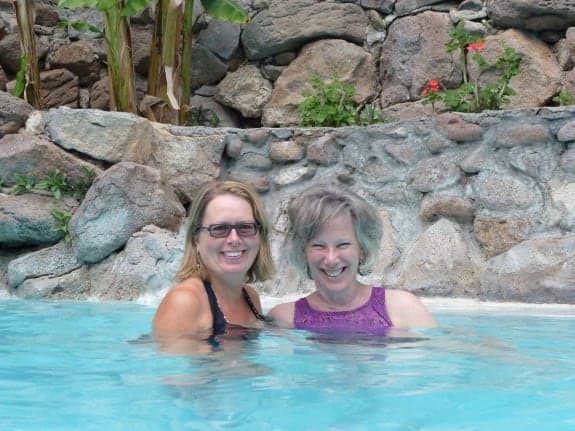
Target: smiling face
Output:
[
  {"x": 229, "y": 258},
  {"x": 333, "y": 256}
]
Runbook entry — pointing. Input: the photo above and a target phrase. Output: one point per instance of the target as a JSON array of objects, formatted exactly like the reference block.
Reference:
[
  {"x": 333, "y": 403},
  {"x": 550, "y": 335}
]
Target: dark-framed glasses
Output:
[{"x": 222, "y": 230}]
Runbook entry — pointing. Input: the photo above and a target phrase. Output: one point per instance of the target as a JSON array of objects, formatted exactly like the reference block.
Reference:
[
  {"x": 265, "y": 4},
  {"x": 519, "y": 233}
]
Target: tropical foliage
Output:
[{"x": 170, "y": 74}]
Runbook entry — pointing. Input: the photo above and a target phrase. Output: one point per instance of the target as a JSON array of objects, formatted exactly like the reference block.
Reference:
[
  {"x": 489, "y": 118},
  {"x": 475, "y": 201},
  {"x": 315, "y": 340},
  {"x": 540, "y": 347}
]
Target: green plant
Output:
[
  {"x": 370, "y": 115},
  {"x": 473, "y": 95},
  {"x": 80, "y": 187},
  {"x": 170, "y": 72},
  {"x": 118, "y": 45},
  {"x": 20, "y": 86},
  {"x": 198, "y": 116},
  {"x": 564, "y": 98},
  {"x": 331, "y": 104},
  {"x": 56, "y": 182},
  {"x": 23, "y": 184},
  {"x": 63, "y": 221}
]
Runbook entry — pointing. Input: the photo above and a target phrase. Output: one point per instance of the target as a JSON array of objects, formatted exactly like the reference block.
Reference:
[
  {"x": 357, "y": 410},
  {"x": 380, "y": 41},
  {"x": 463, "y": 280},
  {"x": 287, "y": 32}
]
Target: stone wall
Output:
[
  {"x": 473, "y": 205},
  {"x": 254, "y": 74}
]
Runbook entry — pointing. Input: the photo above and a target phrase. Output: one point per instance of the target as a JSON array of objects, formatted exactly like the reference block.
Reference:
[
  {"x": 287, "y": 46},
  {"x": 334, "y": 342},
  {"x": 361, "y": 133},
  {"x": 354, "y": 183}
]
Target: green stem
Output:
[
  {"x": 155, "y": 69},
  {"x": 24, "y": 17},
  {"x": 120, "y": 66},
  {"x": 464, "y": 65},
  {"x": 186, "y": 68},
  {"x": 170, "y": 46}
]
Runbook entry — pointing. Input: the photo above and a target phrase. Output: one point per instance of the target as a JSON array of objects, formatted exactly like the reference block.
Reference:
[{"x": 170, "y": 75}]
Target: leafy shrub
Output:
[
  {"x": 473, "y": 96},
  {"x": 23, "y": 184},
  {"x": 56, "y": 182},
  {"x": 564, "y": 98},
  {"x": 331, "y": 104},
  {"x": 63, "y": 220}
]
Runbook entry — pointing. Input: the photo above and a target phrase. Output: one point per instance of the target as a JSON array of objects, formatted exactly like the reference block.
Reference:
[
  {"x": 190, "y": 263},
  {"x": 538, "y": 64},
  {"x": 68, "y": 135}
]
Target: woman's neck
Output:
[
  {"x": 227, "y": 290},
  {"x": 348, "y": 299}
]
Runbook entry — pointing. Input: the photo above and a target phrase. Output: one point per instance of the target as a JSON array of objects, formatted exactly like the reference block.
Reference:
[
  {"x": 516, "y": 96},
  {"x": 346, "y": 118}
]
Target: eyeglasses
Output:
[{"x": 222, "y": 230}]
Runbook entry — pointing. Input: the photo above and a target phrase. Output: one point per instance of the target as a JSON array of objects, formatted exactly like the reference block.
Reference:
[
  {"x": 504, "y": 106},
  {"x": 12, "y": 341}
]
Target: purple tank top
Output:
[{"x": 370, "y": 317}]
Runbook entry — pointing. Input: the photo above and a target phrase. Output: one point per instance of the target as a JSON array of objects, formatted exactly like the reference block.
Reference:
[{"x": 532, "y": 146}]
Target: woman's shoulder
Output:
[
  {"x": 406, "y": 310},
  {"x": 183, "y": 296},
  {"x": 190, "y": 288},
  {"x": 179, "y": 306},
  {"x": 399, "y": 295}
]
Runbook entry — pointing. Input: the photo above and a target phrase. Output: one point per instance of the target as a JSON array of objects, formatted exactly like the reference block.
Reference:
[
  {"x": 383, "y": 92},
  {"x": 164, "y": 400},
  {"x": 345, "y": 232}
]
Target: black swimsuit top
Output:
[{"x": 219, "y": 325}]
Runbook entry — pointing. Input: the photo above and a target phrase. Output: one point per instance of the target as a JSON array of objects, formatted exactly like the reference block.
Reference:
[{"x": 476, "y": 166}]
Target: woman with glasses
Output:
[
  {"x": 334, "y": 235},
  {"x": 226, "y": 247}
]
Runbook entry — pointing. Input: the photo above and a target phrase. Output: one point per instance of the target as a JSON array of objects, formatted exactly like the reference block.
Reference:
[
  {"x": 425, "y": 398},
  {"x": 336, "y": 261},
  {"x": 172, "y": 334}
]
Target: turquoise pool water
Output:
[{"x": 85, "y": 366}]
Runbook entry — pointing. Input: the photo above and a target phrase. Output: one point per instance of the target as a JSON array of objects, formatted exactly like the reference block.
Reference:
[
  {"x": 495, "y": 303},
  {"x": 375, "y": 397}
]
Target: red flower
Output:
[
  {"x": 432, "y": 87},
  {"x": 475, "y": 46}
]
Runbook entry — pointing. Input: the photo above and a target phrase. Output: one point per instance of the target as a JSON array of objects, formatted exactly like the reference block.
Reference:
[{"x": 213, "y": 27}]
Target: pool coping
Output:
[{"x": 463, "y": 305}]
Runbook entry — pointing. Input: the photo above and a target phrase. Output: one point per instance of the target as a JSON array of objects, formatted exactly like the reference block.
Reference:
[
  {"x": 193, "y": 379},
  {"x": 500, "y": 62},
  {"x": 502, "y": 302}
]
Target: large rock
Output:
[
  {"x": 27, "y": 219},
  {"x": 504, "y": 192},
  {"x": 537, "y": 270},
  {"x": 222, "y": 38},
  {"x": 60, "y": 87},
  {"x": 288, "y": 25},
  {"x": 50, "y": 262},
  {"x": 440, "y": 262},
  {"x": 207, "y": 68},
  {"x": 532, "y": 15},
  {"x": 107, "y": 136},
  {"x": 188, "y": 159},
  {"x": 11, "y": 55},
  {"x": 245, "y": 90},
  {"x": 72, "y": 285},
  {"x": 80, "y": 59},
  {"x": 329, "y": 58},
  {"x": 408, "y": 61},
  {"x": 13, "y": 113},
  {"x": 146, "y": 266},
  {"x": 36, "y": 156},
  {"x": 540, "y": 74},
  {"x": 121, "y": 201}
]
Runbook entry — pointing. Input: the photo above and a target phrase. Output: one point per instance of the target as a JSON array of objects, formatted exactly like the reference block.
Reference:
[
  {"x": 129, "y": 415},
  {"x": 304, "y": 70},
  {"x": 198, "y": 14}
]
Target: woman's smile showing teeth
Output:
[
  {"x": 334, "y": 273},
  {"x": 232, "y": 253}
]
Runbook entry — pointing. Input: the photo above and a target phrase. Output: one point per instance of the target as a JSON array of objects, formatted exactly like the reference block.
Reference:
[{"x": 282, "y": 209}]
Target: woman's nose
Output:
[
  {"x": 331, "y": 254},
  {"x": 233, "y": 236}
]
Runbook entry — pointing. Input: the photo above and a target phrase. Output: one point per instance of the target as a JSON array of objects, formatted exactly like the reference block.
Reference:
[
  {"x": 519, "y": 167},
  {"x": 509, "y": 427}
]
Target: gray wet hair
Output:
[{"x": 320, "y": 204}]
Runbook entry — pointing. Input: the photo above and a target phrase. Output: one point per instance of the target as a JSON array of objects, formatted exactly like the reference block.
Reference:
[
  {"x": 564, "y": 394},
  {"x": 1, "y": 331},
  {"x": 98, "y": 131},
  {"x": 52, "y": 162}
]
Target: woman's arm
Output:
[
  {"x": 282, "y": 314},
  {"x": 407, "y": 311}
]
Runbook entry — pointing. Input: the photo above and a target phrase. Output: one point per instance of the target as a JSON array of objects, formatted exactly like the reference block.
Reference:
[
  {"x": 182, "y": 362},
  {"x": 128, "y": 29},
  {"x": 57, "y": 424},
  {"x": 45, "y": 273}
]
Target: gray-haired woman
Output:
[{"x": 334, "y": 235}]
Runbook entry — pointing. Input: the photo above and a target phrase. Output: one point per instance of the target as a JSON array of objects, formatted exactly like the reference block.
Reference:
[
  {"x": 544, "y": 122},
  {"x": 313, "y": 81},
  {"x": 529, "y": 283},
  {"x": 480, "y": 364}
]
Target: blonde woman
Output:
[{"x": 226, "y": 247}]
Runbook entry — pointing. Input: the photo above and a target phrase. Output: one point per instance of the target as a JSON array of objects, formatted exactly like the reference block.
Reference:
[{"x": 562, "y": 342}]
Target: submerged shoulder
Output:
[
  {"x": 407, "y": 311},
  {"x": 283, "y": 314}
]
